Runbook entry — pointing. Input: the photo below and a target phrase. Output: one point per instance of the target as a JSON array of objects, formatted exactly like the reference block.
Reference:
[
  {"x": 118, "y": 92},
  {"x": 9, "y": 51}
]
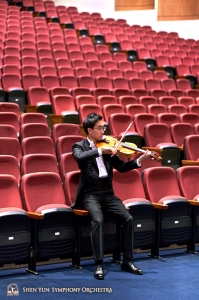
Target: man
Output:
[{"x": 95, "y": 191}]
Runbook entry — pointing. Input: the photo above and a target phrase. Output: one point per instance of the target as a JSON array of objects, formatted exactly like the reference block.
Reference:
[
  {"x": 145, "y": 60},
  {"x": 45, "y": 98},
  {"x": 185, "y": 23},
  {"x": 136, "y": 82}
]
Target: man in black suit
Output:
[{"x": 95, "y": 191}]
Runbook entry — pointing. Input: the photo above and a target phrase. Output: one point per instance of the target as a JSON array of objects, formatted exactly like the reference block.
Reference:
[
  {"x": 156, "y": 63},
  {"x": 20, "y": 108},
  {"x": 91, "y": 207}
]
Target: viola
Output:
[{"x": 125, "y": 149}]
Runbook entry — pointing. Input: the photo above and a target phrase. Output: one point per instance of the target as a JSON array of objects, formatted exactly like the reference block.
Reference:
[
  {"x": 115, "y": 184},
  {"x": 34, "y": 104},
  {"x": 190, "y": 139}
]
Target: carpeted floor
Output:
[{"x": 173, "y": 277}]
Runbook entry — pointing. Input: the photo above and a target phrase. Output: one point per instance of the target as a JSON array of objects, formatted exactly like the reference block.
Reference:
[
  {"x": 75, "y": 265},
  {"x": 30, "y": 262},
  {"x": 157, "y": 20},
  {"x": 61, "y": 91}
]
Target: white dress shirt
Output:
[{"x": 100, "y": 163}]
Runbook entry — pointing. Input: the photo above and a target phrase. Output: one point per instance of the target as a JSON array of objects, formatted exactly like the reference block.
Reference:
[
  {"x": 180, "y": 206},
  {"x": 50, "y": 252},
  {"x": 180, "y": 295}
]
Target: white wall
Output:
[{"x": 185, "y": 29}]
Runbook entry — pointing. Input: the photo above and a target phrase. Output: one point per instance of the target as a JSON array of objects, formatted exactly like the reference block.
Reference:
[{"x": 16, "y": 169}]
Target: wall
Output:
[
  {"x": 178, "y": 10},
  {"x": 186, "y": 29},
  {"x": 132, "y": 5}
]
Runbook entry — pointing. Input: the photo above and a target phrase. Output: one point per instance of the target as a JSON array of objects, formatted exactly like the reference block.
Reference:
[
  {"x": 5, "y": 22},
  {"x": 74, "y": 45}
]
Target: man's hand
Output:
[
  {"x": 109, "y": 150},
  {"x": 145, "y": 156}
]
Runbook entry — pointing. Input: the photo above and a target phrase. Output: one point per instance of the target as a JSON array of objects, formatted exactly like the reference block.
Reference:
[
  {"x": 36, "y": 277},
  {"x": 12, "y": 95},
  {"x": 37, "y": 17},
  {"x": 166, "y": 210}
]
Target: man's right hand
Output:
[{"x": 109, "y": 150}]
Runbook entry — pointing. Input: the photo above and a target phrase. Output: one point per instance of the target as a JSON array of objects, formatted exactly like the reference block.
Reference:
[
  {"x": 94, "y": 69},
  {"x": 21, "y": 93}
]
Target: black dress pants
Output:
[{"x": 97, "y": 201}]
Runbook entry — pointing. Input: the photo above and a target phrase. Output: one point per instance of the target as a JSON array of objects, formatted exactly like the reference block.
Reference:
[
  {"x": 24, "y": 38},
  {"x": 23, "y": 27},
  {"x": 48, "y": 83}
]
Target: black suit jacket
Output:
[{"x": 86, "y": 159}]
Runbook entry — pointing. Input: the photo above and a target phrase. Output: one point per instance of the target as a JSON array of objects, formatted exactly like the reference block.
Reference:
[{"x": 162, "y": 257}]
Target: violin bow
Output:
[{"x": 124, "y": 134}]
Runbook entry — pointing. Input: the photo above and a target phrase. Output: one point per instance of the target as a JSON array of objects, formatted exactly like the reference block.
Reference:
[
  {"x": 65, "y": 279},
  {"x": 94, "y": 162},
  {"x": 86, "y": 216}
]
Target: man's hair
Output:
[{"x": 90, "y": 121}]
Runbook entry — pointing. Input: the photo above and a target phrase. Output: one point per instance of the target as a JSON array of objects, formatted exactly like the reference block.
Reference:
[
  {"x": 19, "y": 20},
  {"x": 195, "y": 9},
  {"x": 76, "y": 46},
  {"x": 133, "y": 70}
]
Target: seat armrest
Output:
[
  {"x": 194, "y": 202},
  {"x": 160, "y": 206},
  {"x": 80, "y": 212},
  {"x": 35, "y": 216}
]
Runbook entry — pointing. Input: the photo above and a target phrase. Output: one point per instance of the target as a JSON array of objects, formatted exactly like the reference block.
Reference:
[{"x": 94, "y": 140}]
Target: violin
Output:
[{"x": 125, "y": 149}]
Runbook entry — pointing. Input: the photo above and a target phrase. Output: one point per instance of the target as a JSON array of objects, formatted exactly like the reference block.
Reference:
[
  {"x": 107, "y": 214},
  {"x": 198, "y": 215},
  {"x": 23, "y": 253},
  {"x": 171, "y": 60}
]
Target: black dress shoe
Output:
[
  {"x": 99, "y": 272},
  {"x": 131, "y": 268}
]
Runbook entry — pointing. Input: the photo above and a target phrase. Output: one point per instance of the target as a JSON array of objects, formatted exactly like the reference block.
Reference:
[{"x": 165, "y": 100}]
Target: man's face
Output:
[{"x": 97, "y": 132}]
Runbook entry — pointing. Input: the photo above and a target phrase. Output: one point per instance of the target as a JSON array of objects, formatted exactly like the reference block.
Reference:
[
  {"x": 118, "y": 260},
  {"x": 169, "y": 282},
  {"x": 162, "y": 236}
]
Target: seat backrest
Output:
[
  {"x": 167, "y": 118},
  {"x": 10, "y": 118},
  {"x": 196, "y": 128},
  {"x": 37, "y": 95},
  {"x": 160, "y": 74},
  {"x": 128, "y": 186},
  {"x": 186, "y": 101},
  {"x": 136, "y": 83},
  {"x": 10, "y": 146},
  {"x": 146, "y": 74},
  {"x": 162, "y": 60},
  {"x": 191, "y": 147},
  {"x": 86, "y": 82},
  {"x": 84, "y": 99},
  {"x": 191, "y": 118},
  {"x": 109, "y": 109},
  {"x": 32, "y": 163},
  {"x": 175, "y": 60},
  {"x": 193, "y": 108},
  {"x": 9, "y": 192},
  {"x": 134, "y": 109},
  {"x": 104, "y": 82},
  {"x": 127, "y": 99},
  {"x": 86, "y": 109},
  {"x": 10, "y": 107},
  {"x": 183, "y": 84},
  {"x": 63, "y": 103},
  {"x": 187, "y": 178},
  {"x": 177, "y": 109},
  {"x": 120, "y": 82},
  {"x": 114, "y": 73},
  {"x": 159, "y": 182},
  {"x": 130, "y": 73},
  {"x": 29, "y": 80},
  {"x": 34, "y": 129},
  {"x": 167, "y": 100},
  {"x": 67, "y": 164},
  {"x": 140, "y": 120},
  {"x": 119, "y": 122},
  {"x": 168, "y": 84},
  {"x": 54, "y": 91},
  {"x": 10, "y": 165},
  {"x": 69, "y": 82},
  {"x": 48, "y": 81},
  {"x": 152, "y": 83},
  {"x": 70, "y": 185},
  {"x": 11, "y": 81},
  {"x": 156, "y": 133},
  {"x": 125, "y": 65},
  {"x": 179, "y": 131},
  {"x": 38, "y": 144},
  {"x": 28, "y": 118},
  {"x": 39, "y": 189},
  {"x": 139, "y": 65},
  {"x": 62, "y": 129},
  {"x": 147, "y": 100},
  {"x": 8, "y": 131},
  {"x": 123, "y": 92},
  {"x": 182, "y": 69},
  {"x": 156, "y": 109},
  {"x": 106, "y": 99},
  {"x": 64, "y": 143}
]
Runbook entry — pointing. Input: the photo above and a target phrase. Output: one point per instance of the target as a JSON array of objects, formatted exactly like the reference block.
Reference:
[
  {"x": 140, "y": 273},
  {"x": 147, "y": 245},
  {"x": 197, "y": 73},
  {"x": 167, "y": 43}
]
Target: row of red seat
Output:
[
  {"x": 36, "y": 137},
  {"x": 33, "y": 161},
  {"x": 37, "y": 162},
  {"x": 26, "y": 30},
  {"x": 104, "y": 69},
  {"x": 183, "y": 110},
  {"x": 123, "y": 96},
  {"x": 133, "y": 86},
  {"x": 42, "y": 198}
]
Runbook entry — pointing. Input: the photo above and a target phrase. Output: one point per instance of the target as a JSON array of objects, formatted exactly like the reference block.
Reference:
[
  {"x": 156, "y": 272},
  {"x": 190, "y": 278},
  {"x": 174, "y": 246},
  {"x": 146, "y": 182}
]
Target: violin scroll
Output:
[{"x": 156, "y": 157}]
